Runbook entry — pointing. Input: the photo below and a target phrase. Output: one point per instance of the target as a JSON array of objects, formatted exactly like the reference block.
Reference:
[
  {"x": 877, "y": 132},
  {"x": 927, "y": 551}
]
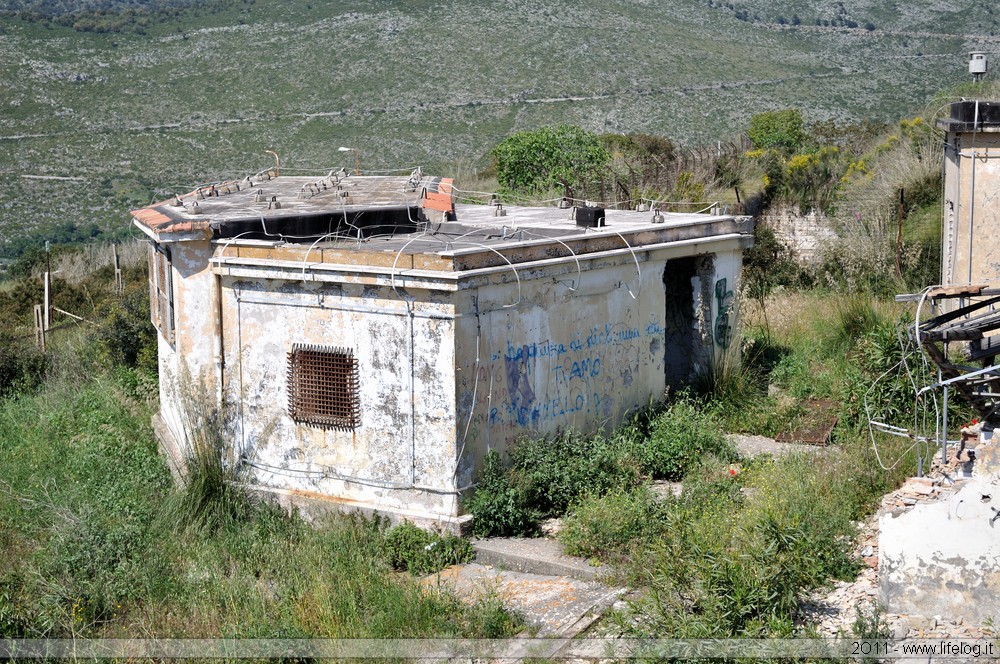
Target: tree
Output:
[
  {"x": 777, "y": 129},
  {"x": 532, "y": 161}
]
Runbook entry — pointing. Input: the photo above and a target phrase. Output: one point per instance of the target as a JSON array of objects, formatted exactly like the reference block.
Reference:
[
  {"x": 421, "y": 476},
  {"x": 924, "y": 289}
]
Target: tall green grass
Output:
[
  {"x": 95, "y": 540},
  {"x": 547, "y": 475}
]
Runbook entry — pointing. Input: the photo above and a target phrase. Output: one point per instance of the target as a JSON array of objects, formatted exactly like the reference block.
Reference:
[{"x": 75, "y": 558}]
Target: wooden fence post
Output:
[{"x": 40, "y": 327}]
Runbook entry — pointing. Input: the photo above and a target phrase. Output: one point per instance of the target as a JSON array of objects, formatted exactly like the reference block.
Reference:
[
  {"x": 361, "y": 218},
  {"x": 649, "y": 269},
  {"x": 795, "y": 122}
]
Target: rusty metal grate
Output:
[{"x": 323, "y": 387}]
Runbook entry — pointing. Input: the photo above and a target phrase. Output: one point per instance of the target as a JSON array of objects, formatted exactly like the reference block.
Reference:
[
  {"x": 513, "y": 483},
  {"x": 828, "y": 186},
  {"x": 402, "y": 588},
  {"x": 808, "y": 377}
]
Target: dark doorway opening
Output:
[{"x": 679, "y": 321}]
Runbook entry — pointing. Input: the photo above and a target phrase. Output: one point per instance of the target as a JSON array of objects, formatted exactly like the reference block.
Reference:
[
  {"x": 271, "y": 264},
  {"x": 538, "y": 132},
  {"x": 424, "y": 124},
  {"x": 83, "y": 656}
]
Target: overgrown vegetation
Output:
[
  {"x": 97, "y": 541},
  {"x": 418, "y": 551},
  {"x": 730, "y": 555},
  {"x": 546, "y": 476}
]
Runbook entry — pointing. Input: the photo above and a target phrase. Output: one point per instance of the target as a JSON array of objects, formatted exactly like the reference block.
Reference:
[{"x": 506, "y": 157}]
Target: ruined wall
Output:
[
  {"x": 581, "y": 359},
  {"x": 402, "y": 456},
  {"x": 804, "y": 234},
  {"x": 981, "y": 202},
  {"x": 943, "y": 558}
]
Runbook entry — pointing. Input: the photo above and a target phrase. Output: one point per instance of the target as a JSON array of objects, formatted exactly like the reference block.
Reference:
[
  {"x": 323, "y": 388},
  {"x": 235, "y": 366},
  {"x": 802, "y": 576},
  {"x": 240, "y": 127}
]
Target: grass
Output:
[
  {"x": 95, "y": 540},
  {"x": 546, "y": 476}
]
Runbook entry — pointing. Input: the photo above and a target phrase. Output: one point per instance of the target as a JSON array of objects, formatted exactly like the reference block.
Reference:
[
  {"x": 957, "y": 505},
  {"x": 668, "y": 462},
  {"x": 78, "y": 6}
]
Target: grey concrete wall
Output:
[
  {"x": 971, "y": 196},
  {"x": 580, "y": 359}
]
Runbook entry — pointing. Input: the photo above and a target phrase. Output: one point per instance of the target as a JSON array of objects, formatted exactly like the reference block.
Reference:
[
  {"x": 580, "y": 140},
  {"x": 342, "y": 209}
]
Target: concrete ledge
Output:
[
  {"x": 314, "y": 506},
  {"x": 533, "y": 556}
]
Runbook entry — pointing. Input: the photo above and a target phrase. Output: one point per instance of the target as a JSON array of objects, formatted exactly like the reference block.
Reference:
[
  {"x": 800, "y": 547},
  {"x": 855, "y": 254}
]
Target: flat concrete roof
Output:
[
  {"x": 275, "y": 197},
  {"x": 384, "y": 217}
]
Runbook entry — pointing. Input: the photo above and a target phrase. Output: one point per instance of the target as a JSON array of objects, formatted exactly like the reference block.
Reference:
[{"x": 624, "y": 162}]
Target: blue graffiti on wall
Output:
[{"x": 551, "y": 379}]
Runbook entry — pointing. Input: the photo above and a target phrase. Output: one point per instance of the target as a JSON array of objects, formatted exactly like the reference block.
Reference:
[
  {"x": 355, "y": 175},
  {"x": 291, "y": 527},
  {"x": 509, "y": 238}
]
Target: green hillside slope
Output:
[{"x": 129, "y": 116}]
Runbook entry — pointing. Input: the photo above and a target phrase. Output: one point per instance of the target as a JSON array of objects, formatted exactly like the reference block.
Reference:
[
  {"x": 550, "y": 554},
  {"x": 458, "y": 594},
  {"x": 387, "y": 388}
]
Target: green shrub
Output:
[
  {"x": 500, "y": 508},
  {"x": 724, "y": 379},
  {"x": 532, "y": 161},
  {"x": 125, "y": 333},
  {"x": 22, "y": 366},
  {"x": 856, "y": 317},
  {"x": 13, "y": 625},
  {"x": 415, "y": 550},
  {"x": 555, "y": 471},
  {"x": 679, "y": 438},
  {"x": 609, "y": 526},
  {"x": 777, "y": 129}
]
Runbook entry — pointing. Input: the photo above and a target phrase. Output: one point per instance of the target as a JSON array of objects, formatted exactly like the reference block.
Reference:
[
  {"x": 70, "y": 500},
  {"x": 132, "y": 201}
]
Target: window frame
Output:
[
  {"x": 161, "y": 291},
  {"x": 324, "y": 387}
]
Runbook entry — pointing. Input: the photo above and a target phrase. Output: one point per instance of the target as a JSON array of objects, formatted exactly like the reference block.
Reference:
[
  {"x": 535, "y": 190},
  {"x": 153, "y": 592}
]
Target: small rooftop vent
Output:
[
  {"x": 977, "y": 64},
  {"x": 590, "y": 217}
]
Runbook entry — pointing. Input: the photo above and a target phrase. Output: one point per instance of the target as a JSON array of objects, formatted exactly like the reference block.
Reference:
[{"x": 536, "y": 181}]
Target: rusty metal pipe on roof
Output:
[{"x": 277, "y": 162}]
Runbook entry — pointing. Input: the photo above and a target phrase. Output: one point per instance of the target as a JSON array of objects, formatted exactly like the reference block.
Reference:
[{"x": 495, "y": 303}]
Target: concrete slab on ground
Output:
[
  {"x": 942, "y": 557},
  {"x": 749, "y": 446},
  {"x": 534, "y": 556},
  {"x": 554, "y": 605}
]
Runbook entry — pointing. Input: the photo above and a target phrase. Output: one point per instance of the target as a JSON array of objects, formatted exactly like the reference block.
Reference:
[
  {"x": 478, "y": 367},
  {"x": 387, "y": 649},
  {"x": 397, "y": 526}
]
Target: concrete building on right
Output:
[
  {"x": 970, "y": 249},
  {"x": 939, "y": 549}
]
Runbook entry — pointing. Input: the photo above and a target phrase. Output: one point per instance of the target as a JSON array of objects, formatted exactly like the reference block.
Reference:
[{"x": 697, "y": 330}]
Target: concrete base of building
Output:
[{"x": 313, "y": 507}]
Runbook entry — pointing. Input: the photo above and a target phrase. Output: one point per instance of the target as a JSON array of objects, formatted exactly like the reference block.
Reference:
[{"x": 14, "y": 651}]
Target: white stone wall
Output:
[
  {"x": 402, "y": 456},
  {"x": 804, "y": 234},
  {"x": 186, "y": 367}
]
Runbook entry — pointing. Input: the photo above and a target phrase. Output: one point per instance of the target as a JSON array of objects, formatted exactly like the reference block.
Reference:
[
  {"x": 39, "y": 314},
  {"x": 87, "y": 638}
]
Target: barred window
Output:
[
  {"x": 323, "y": 387},
  {"x": 161, "y": 291}
]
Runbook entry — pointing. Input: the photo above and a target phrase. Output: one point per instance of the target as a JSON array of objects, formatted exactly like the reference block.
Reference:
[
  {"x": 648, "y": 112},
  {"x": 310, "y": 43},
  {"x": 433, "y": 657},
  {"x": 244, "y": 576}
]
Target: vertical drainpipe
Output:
[
  {"x": 972, "y": 187},
  {"x": 218, "y": 355}
]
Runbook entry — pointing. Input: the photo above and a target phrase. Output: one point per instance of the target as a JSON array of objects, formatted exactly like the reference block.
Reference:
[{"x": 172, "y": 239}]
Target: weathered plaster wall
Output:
[
  {"x": 804, "y": 234},
  {"x": 563, "y": 358},
  {"x": 943, "y": 558},
  {"x": 402, "y": 457},
  {"x": 187, "y": 376},
  {"x": 982, "y": 201}
]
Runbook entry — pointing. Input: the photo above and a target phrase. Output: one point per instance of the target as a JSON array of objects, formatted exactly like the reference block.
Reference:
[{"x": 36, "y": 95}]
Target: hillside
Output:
[{"x": 92, "y": 124}]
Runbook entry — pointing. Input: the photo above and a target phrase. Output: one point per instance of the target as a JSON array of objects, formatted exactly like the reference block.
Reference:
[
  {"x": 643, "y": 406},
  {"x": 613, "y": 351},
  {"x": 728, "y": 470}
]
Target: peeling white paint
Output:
[{"x": 452, "y": 363}]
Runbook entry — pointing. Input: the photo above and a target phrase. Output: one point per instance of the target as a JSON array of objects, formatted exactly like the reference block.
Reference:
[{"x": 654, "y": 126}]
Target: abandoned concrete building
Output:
[
  {"x": 372, "y": 339},
  {"x": 943, "y": 558},
  {"x": 970, "y": 247}
]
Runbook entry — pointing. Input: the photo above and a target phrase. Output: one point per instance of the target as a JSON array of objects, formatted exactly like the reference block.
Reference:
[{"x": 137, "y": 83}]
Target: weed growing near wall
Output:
[
  {"x": 547, "y": 475},
  {"x": 92, "y": 543},
  {"x": 719, "y": 564},
  {"x": 417, "y": 551}
]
